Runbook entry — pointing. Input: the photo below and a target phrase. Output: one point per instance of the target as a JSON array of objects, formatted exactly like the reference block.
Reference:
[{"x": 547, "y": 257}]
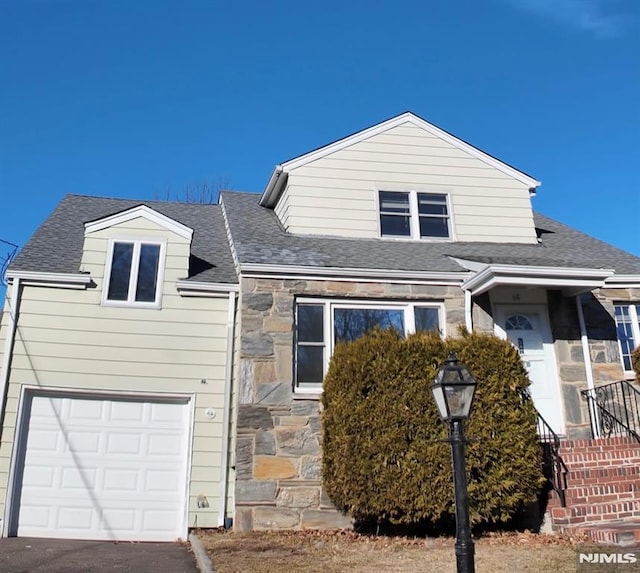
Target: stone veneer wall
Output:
[
  {"x": 603, "y": 349},
  {"x": 278, "y": 448}
]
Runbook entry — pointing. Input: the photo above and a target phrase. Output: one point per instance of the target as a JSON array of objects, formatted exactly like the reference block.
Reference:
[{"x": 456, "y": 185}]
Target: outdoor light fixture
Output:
[{"x": 453, "y": 390}]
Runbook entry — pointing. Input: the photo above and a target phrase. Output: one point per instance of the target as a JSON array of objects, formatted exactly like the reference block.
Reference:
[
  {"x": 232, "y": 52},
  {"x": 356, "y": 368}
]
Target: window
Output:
[
  {"x": 414, "y": 215},
  {"x": 628, "y": 327},
  {"x": 321, "y": 324},
  {"x": 133, "y": 273}
]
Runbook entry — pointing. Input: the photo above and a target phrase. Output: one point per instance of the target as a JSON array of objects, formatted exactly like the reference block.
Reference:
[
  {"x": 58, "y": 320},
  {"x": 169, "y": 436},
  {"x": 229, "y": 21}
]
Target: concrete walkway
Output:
[{"x": 28, "y": 555}]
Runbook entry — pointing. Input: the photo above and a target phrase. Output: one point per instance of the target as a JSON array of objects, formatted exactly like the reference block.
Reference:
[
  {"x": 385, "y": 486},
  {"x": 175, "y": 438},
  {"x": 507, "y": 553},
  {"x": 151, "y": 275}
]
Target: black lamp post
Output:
[{"x": 453, "y": 390}]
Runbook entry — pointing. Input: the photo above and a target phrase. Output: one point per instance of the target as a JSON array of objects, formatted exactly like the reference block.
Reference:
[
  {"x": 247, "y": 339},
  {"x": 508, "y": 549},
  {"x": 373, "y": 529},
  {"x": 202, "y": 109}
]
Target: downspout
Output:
[
  {"x": 226, "y": 414},
  {"x": 13, "y": 303},
  {"x": 468, "y": 317},
  {"x": 586, "y": 355}
]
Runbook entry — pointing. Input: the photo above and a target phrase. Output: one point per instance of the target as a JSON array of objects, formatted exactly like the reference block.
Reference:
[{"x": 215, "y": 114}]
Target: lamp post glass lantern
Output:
[{"x": 453, "y": 390}]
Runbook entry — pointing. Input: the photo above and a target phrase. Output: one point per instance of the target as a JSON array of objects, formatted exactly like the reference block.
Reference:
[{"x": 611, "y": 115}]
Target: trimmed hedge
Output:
[{"x": 384, "y": 460}]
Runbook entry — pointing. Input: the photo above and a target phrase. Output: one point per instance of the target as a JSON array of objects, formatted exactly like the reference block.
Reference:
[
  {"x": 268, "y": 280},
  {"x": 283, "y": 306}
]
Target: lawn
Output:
[{"x": 337, "y": 552}]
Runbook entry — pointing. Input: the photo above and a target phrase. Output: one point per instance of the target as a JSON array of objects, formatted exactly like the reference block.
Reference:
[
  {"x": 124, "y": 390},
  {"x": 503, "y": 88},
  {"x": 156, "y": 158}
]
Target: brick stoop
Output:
[
  {"x": 603, "y": 490},
  {"x": 622, "y": 533}
]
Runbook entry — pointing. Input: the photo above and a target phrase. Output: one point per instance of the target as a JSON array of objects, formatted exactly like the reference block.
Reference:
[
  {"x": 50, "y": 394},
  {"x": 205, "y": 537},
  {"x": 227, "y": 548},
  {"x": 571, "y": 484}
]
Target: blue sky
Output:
[{"x": 129, "y": 99}]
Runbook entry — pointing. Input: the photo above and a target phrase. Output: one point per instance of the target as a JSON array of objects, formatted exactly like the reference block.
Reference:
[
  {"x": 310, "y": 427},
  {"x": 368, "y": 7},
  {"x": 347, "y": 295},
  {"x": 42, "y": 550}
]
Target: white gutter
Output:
[
  {"x": 272, "y": 190},
  {"x": 623, "y": 281},
  {"x": 352, "y": 274},
  {"x": 226, "y": 414},
  {"x": 468, "y": 317},
  {"x": 13, "y": 303},
  {"x": 60, "y": 280},
  {"x": 495, "y": 275},
  {"x": 204, "y": 289},
  {"x": 586, "y": 355}
]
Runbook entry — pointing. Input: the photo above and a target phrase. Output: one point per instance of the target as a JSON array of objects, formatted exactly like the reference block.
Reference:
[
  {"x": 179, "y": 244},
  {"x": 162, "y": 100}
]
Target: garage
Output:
[{"x": 103, "y": 468}]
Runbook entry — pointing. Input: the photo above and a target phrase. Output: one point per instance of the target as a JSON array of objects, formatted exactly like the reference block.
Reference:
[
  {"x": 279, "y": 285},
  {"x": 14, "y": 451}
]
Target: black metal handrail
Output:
[
  {"x": 614, "y": 410},
  {"x": 553, "y": 467}
]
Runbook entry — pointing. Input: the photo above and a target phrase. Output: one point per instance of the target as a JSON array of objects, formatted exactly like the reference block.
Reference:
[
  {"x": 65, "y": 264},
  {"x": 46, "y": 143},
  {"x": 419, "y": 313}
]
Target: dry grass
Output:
[{"x": 344, "y": 551}]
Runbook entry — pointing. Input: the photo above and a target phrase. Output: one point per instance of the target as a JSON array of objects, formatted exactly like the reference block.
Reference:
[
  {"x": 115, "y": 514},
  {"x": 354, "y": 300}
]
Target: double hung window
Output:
[
  {"x": 414, "y": 215},
  {"x": 321, "y": 324},
  {"x": 628, "y": 327},
  {"x": 133, "y": 273}
]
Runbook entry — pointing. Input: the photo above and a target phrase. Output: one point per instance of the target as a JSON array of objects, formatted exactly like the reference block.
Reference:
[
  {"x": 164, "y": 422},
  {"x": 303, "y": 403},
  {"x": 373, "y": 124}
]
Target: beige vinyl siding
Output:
[
  {"x": 337, "y": 194},
  {"x": 67, "y": 339}
]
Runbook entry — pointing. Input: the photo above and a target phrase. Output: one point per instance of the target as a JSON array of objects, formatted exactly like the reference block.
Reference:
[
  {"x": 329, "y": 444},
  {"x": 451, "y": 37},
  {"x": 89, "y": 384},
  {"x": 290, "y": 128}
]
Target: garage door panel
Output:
[{"x": 105, "y": 469}]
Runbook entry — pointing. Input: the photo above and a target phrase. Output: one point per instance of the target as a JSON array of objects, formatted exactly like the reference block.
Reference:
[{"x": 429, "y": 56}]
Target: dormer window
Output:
[
  {"x": 414, "y": 215},
  {"x": 133, "y": 273}
]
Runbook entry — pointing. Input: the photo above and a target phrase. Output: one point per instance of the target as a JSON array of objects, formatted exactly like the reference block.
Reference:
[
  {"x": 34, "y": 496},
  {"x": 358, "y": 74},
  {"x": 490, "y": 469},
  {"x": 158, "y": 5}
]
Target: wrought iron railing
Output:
[
  {"x": 614, "y": 410},
  {"x": 553, "y": 468}
]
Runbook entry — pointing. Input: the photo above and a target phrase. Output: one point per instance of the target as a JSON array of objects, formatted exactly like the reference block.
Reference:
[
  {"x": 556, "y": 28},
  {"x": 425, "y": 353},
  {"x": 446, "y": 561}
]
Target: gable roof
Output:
[
  {"x": 141, "y": 211},
  {"x": 276, "y": 182},
  {"x": 56, "y": 246},
  {"x": 259, "y": 239}
]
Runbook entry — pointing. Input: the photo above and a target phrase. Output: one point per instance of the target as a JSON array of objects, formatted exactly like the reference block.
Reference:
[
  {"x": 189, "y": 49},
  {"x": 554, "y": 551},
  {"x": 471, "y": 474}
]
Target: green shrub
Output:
[
  {"x": 635, "y": 362},
  {"x": 383, "y": 455}
]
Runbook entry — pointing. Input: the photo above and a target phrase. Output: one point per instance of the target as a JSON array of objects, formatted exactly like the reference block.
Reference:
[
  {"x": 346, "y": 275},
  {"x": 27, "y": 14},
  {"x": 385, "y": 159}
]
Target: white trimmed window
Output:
[
  {"x": 133, "y": 275},
  {"x": 628, "y": 327},
  {"x": 414, "y": 215},
  {"x": 320, "y": 324}
]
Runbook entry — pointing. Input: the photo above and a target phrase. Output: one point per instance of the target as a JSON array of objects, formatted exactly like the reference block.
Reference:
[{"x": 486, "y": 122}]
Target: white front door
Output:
[
  {"x": 527, "y": 328},
  {"x": 109, "y": 469}
]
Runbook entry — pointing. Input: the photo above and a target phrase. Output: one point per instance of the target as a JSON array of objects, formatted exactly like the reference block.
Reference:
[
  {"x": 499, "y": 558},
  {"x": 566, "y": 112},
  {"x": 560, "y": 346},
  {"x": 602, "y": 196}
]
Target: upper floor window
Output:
[
  {"x": 628, "y": 326},
  {"x": 414, "y": 215},
  {"x": 322, "y": 324},
  {"x": 133, "y": 273}
]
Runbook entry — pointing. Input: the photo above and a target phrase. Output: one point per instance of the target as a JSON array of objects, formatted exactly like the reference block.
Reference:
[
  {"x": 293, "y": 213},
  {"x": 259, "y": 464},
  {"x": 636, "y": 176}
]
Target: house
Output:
[{"x": 162, "y": 362}]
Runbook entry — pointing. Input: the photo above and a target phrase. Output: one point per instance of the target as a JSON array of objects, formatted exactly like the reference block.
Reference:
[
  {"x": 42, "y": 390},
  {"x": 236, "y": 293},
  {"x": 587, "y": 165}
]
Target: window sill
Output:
[
  {"x": 124, "y": 304},
  {"x": 310, "y": 394},
  {"x": 417, "y": 239}
]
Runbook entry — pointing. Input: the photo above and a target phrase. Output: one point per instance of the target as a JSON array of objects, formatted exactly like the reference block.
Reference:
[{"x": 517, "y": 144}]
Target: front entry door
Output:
[{"x": 528, "y": 330}]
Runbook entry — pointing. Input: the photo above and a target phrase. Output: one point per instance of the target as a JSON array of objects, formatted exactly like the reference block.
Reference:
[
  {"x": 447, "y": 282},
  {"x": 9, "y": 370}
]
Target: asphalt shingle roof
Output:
[
  {"x": 259, "y": 237},
  {"x": 56, "y": 246}
]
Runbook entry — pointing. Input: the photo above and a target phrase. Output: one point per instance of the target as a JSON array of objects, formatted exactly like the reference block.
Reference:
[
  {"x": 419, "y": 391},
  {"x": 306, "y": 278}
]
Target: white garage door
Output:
[{"x": 106, "y": 469}]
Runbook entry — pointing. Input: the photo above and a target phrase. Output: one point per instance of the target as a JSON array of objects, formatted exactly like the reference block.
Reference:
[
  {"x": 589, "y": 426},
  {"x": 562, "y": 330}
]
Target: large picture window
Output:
[
  {"x": 133, "y": 272},
  {"x": 320, "y": 324},
  {"x": 414, "y": 215},
  {"x": 628, "y": 327}
]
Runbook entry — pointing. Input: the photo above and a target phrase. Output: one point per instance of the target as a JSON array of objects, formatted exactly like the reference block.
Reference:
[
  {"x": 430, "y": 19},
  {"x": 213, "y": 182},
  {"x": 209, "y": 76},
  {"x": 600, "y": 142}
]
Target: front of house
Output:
[{"x": 400, "y": 225}]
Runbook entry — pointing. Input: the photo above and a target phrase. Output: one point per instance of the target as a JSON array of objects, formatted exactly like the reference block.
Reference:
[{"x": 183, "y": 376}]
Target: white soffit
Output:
[
  {"x": 573, "y": 280},
  {"x": 276, "y": 182},
  {"x": 139, "y": 211}
]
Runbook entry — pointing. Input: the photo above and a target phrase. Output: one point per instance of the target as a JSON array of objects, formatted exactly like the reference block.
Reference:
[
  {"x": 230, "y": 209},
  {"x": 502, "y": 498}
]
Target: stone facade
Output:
[
  {"x": 604, "y": 351},
  {"x": 278, "y": 460},
  {"x": 278, "y": 447}
]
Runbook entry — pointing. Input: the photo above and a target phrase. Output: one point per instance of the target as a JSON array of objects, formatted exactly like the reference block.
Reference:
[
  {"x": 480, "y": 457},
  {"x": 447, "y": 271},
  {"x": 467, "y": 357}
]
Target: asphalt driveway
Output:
[{"x": 28, "y": 555}]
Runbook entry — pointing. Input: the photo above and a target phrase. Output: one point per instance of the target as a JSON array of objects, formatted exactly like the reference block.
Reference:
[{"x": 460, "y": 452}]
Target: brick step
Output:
[
  {"x": 583, "y": 514},
  {"x": 572, "y": 460},
  {"x": 620, "y": 533},
  {"x": 602, "y": 492},
  {"x": 599, "y": 445},
  {"x": 577, "y": 477}
]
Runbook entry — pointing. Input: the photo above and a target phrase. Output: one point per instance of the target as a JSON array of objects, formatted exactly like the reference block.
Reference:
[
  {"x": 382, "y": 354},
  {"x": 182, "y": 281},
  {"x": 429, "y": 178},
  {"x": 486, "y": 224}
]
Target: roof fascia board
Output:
[
  {"x": 204, "y": 289},
  {"x": 59, "y": 280},
  {"x": 496, "y": 275},
  {"x": 352, "y": 274},
  {"x": 271, "y": 193},
  {"x": 140, "y": 211}
]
